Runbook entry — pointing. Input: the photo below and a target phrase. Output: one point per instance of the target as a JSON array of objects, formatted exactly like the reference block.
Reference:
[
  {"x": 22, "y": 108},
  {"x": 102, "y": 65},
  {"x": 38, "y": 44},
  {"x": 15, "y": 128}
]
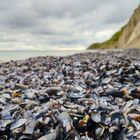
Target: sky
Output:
[{"x": 60, "y": 24}]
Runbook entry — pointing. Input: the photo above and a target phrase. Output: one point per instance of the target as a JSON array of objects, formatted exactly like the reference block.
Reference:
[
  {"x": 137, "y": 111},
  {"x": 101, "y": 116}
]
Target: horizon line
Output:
[{"x": 46, "y": 50}]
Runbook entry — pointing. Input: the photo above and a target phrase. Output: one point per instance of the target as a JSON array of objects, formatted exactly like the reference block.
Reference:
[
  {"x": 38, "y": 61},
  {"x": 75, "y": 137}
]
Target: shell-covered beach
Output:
[{"x": 86, "y": 96}]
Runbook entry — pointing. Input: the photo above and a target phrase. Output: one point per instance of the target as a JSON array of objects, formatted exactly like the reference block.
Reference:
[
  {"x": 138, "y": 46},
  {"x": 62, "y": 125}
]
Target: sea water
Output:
[{"x": 21, "y": 55}]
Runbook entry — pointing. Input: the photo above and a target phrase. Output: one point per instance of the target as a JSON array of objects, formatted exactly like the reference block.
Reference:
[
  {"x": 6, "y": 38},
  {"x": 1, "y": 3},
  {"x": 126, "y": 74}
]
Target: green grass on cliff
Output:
[{"x": 109, "y": 43}]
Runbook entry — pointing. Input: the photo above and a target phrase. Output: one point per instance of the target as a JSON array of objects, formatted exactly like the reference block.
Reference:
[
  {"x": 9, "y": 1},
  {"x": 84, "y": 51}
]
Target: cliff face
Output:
[{"x": 127, "y": 37}]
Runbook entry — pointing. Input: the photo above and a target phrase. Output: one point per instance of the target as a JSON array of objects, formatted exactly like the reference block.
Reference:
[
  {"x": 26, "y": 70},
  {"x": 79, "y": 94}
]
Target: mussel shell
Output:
[
  {"x": 106, "y": 80},
  {"x": 99, "y": 131},
  {"x": 96, "y": 117},
  {"x": 76, "y": 95},
  {"x": 18, "y": 123},
  {"x": 51, "y": 136}
]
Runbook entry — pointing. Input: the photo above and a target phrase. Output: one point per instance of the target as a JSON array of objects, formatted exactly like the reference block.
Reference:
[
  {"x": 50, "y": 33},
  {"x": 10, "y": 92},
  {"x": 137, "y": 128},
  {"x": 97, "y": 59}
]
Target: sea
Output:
[{"x": 22, "y": 55}]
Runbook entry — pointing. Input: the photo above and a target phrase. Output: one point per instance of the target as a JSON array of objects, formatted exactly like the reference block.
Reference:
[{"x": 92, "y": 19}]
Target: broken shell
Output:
[
  {"x": 16, "y": 94},
  {"x": 86, "y": 118},
  {"x": 124, "y": 91},
  {"x": 135, "y": 117}
]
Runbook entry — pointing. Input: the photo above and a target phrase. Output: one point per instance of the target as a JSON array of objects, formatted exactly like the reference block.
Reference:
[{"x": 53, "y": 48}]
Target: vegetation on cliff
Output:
[
  {"x": 107, "y": 44},
  {"x": 127, "y": 37}
]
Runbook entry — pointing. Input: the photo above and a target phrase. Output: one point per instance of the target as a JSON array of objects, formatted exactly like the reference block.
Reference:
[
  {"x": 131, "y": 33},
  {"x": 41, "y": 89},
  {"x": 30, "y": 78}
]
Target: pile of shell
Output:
[{"x": 91, "y": 96}]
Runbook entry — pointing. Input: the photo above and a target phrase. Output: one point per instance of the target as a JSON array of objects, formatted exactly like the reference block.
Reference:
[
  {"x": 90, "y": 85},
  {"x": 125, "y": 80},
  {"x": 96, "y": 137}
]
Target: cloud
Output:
[{"x": 60, "y": 24}]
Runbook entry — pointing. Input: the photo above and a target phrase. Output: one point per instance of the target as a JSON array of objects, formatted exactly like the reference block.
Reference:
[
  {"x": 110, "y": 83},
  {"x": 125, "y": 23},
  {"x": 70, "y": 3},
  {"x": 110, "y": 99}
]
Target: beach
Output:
[{"x": 79, "y": 96}]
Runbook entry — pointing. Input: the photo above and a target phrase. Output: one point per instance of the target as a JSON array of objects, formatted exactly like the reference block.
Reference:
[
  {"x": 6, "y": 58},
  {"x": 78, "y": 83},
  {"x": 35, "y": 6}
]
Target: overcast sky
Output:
[{"x": 60, "y": 24}]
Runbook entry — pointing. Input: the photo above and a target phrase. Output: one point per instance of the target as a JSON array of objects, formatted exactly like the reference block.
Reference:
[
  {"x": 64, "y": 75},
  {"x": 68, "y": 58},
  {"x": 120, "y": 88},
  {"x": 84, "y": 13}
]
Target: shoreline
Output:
[{"x": 12, "y": 56}]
